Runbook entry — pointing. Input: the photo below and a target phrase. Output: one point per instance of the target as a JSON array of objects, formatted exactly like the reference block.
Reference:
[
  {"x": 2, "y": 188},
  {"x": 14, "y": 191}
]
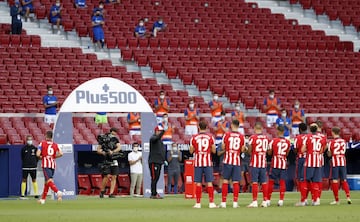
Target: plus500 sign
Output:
[{"x": 110, "y": 97}]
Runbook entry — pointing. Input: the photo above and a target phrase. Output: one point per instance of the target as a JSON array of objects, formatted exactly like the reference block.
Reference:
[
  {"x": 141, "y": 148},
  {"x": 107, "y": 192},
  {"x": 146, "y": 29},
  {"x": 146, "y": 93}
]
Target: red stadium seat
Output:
[
  {"x": 96, "y": 181},
  {"x": 84, "y": 184},
  {"x": 123, "y": 184}
]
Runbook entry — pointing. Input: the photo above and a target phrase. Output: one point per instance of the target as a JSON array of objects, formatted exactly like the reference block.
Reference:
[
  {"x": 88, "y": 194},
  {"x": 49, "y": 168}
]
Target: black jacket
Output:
[
  {"x": 157, "y": 150},
  {"x": 28, "y": 157}
]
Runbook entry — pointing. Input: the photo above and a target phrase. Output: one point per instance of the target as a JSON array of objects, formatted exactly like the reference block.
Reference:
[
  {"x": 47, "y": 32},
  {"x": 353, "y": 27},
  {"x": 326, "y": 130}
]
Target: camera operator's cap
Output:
[{"x": 158, "y": 128}]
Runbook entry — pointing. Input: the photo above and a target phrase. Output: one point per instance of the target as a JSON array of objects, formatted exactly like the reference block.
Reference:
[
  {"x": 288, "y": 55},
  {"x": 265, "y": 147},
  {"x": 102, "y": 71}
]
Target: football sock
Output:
[
  {"x": 282, "y": 189},
  {"x": 335, "y": 189},
  {"x": 314, "y": 191},
  {"x": 210, "y": 191},
  {"x": 270, "y": 188},
  {"x": 265, "y": 191},
  {"x": 345, "y": 187},
  {"x": 255, "y": 190},
  {"x": 53, "y": 186},
  {"x": 308, "y": 184},
  {"x": 236, "y": 189},
  {"x": 44, "y": 194},
  {"x": 303, "y": 190},
  {"x": 198, "y": 193},
  {"x": 36, "y": 189},
  {"x": 320, "y": 185},
  {"x": 23, "y": 188},
  {"x": 224, "y": 191}
]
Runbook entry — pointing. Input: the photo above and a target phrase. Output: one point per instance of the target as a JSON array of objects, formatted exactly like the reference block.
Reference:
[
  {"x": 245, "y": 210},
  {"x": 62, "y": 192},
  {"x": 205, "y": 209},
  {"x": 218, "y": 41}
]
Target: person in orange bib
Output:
[
  {"x": 168, "y": 134},
  {"x": 297, "y": 116},
  {"x": 240, "y": 116},
  {"x": 216, "y": 109},
  {"x": 272, "y": 108},
  {"x": 162, "y": 106},
  {"x": 192, "y": 119},
  {"x": 134, "y": 121}
]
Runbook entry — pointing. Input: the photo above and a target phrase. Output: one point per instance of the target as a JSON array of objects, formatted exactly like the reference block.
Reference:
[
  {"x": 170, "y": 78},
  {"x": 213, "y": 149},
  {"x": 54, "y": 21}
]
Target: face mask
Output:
[
  {"x": 141, "y": 24},
  {"x": 135, "y": 148},
  {"x": 57, "y": 4},
  {"x": 283, "y": 114},
  {"x": 162, "y": 97},
  {"x": 271, "y": 96},
  {"x": 191, "y": 106},
  {"x": 223, "y": 118},
  {"x": 101, "y": 6},
  {"x": 174, "y": 148},
  {"x": 29, "y": 142},
  {"x": 98, "y": 13},
  {"x": 166, "y": 119},
  {"x": 50, "y": 92},
  {"x": 216, "y": 98},
  {"x": 296, "y": 106},
  {"x": 160, "y": 22},
  {"x": 237, "y": 108}
]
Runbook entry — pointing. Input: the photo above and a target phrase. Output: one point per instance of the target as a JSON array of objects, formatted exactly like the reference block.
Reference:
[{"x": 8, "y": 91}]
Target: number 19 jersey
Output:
[
  {"x": 259, "y": 144},
  {"x": 233, "y": 141},
  {"x": 202, "y": 144},
  {"x": 48, "y": 153}
]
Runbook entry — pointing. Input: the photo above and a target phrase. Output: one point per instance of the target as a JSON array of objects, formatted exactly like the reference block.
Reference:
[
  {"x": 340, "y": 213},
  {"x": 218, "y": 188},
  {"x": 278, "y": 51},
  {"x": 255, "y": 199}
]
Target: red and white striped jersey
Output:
[
  {"x": 48, "y": 153},
  {"x": 322, "y": 156},
  {"x": 338, "y": 148},
  {"x": 233, "y": 141},
  {"x": 280, "y": 148},
  {"x": 315, "y": 144},
  {"x": 259, "y": 144},
  {"x": 202, "y": 143},
  {"x": 298, "y": 143}
]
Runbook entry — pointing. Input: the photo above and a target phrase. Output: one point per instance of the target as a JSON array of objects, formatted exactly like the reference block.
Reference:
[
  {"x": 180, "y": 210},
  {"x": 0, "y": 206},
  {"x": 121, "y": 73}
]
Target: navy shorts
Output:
[
  {"x": 208, "y": 173},
  {"x": 258, "y": 175},
  {"x": 48, "y": 173},
  {"x": 277, "y": 174},
  {"x": 338, "y": 172},
  {"x": 300, "y": 169},
  {"x": 231, "y": 172},
  {"x": 313, "y": 174}
]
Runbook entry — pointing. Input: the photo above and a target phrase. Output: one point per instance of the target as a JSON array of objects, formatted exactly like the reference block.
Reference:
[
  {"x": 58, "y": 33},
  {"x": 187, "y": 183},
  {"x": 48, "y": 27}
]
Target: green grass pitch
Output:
[{"x": 176, "y": 208}]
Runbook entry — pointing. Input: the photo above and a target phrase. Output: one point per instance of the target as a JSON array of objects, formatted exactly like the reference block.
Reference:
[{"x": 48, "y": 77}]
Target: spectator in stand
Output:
[
  {"x": 140, "y": 30},
  {"x": 16, "y": 23},
  {"x": 113, "y": 1},
  {"x": 97, "y": 22},
  {"x": 239, "y": 115},
  {"x": 192, "y": 119},
  {"x": 134, "y": 121},
  {"x": 27, "y": 7},
  {"x": 100, "y": 119},
  {"x": 136, "y": 170},
  {"x": 285, "y": 122},
  {"x": 55, "y": 15},
  {"x": 100, "y": 8},
  {"x": 159, "y": 26},
  {"x": 50, "y": 103},
  {"x": 216, "y": 109},
  {"x": 174, "y": 158},
  {"x": 279, "y": 149},
  {"x": 162, "y": 106},
  {"x": 29, "y": 165},
  {"x": 337, "y": 149},
  {"x": 80, "y": 4},
  {"x": 167, "y": 137},
  {"x": 297, "y": 116},
  {"x": 272, "y": 108}
]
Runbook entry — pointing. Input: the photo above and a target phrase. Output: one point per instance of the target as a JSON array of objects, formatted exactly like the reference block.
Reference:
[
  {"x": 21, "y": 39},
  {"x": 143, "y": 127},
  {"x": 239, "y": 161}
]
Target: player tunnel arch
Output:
[{"x": 100, "y": 95}]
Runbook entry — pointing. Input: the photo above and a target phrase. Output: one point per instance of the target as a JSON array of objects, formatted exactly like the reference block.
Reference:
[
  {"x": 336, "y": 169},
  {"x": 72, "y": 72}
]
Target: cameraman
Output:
[{"x": 109, "y": 147}]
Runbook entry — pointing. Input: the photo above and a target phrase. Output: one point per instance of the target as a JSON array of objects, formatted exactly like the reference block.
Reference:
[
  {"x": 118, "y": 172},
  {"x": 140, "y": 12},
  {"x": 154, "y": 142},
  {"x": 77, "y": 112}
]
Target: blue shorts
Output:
[
  {"x": 30, "y": 6},
  {"x": 98, "y": 34},
  {"x": 231, "y": 172},
  {"x": 300, "y": 169},
  {"x": 258, "y": 175},
  {"x": 313, "y": 174},
  {"x": 54, "y": 20},
  {"x": 244, "y": 166},
  {"x": 277, "y": 174},
  {"x": 48, "y": 173},
  {"x": 207, "y": 171},
  {"x": 338, "y": 172}
]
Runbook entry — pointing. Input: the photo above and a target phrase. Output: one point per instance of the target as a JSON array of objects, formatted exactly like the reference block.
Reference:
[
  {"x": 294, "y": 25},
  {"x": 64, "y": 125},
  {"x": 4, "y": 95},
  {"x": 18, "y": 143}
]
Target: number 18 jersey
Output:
[
  {"x": 48, "y": 153},
  {"x": 202, "y": 144},
  {"x": 233, "y": 141},
  {"x": 259, "y": 144}
]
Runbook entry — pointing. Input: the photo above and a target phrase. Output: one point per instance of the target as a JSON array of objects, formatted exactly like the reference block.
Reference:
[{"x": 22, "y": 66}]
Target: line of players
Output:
[{"x": 309, "y": 148}]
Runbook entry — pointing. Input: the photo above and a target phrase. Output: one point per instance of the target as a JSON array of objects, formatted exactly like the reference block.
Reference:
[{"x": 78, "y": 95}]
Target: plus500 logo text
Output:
[{"x": 108, "y": 97}]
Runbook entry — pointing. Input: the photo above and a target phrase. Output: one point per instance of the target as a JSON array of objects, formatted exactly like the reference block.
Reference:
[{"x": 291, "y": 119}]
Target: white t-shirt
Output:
[{"x": 137, "y": 167}]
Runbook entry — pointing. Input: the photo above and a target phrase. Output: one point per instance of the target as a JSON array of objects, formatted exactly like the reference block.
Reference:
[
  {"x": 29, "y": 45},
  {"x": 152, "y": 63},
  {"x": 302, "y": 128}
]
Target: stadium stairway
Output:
[{"x": 309, "y": 17}]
